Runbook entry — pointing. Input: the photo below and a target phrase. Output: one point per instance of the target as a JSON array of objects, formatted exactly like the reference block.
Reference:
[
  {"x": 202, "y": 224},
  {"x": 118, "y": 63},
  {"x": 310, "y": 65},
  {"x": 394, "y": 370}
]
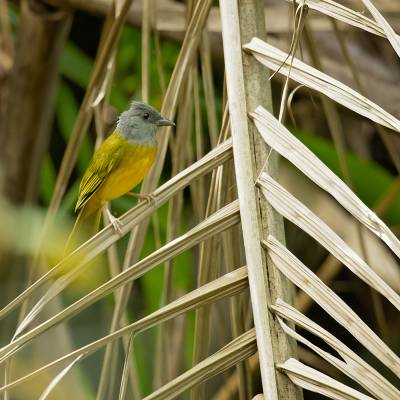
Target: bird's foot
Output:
[
  {"x": 115, "y": 222},
  {"x": 144, "y": 197}
]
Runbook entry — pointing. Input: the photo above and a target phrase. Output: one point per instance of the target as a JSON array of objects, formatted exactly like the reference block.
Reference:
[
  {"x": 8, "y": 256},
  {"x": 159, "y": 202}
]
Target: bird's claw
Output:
[
  {"x": 149, "y": 198},
  {"x": 115, "y": 222},
  {"x": 145, "y": 197}
]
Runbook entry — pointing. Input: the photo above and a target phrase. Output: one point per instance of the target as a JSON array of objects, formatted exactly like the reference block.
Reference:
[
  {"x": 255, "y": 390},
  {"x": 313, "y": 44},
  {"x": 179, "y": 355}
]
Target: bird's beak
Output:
[{"x": 165, "y": 122}]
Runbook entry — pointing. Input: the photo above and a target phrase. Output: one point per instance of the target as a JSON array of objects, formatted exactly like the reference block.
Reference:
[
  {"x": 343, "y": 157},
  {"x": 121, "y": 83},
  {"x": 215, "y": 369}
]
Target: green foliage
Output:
[{"x": 76, "y": 65}]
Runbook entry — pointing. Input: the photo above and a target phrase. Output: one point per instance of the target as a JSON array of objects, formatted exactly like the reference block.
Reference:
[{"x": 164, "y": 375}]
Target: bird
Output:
[{"x": 118, "y": 165}]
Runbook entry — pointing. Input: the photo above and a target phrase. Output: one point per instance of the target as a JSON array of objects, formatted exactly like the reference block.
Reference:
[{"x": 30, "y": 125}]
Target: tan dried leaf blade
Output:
[
  {"x": 292, "y": 209},
  {"x": 306, "y": 280},
  {"x": 352, "y": 365},
  {"x": 228, "y": 285},
  {"x": 282, "y": 141},
  {"x": 311, "y": 379},
  {"x": 304, "y": 74},
  {"x": 342, "y": 13}
]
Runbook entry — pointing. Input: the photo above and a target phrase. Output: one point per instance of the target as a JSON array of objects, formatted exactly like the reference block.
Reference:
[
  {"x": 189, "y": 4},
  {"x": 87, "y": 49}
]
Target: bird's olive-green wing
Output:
[{"x": 105, "y": 159}]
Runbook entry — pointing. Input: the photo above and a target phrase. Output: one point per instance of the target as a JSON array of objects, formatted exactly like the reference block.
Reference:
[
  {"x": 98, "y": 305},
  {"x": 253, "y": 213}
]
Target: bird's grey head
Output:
[{"x": 140, "y": 122}]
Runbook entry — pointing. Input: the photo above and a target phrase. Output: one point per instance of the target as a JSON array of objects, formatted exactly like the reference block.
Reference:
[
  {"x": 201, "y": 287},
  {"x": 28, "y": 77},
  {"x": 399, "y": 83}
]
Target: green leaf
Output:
[{"x": 76, "y": 65}]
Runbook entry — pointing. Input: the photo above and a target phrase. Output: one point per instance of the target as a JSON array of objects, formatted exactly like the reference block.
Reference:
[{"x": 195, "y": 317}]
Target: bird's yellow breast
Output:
[
  {"x": 134, "y": 165},
  {"x": 117, "y": 166}
]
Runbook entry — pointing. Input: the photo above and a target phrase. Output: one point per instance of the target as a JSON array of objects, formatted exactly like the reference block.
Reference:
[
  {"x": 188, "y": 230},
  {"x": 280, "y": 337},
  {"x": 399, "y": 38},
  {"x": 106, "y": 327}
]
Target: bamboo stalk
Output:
[
  {"x": 145, "y": 50},
  {"x": 175, "y": 208},
  {"x": 208, "y": 268},
  {"x": 207, "y": 74},
  {"x": 197, "y": 188}
]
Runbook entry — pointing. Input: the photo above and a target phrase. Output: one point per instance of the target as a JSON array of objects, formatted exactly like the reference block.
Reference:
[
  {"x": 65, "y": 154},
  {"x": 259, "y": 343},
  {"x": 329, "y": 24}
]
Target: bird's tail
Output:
[{"x": 85, "y": 226}]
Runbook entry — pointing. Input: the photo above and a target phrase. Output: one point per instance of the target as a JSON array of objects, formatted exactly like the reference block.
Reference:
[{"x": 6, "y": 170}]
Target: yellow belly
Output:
[{"x": 131, "y": 170}]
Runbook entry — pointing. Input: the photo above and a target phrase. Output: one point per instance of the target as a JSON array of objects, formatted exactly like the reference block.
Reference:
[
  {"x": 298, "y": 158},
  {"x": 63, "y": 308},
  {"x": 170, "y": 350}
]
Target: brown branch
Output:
[
  {"x": 28, "y": 98},
  {"x": 171, "y": 15}
]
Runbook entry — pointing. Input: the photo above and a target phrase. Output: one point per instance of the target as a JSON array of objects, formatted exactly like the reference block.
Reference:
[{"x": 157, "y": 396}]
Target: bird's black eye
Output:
[{"x": 146, "y": 116}]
